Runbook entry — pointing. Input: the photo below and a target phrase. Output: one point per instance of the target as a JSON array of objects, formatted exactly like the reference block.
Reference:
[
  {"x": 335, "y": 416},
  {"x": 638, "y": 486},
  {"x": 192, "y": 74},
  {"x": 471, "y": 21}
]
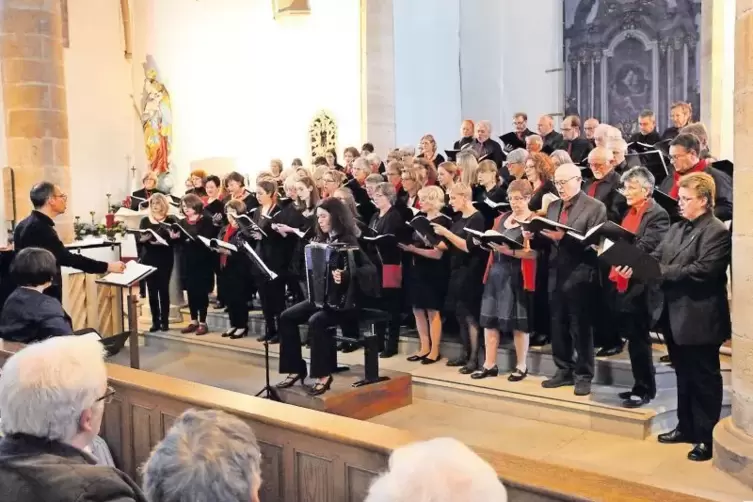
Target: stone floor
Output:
[{"x": 643, "y": 461}]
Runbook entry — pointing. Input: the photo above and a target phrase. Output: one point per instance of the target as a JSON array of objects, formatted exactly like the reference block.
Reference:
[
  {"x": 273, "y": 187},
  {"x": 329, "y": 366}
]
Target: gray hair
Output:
[
  {"x": 45, "y": 387},
  {"x": 388, "y": 190},
  {"x": 641, "y": 175},
  {"x": 408, "y": 150},
  {"x": 374, "y": 159},
  {"x": 438, "y": 470},
  {"x": 374, "y": 179},
  {"x": 617, "y": 145},
  {"x": 560, "y": 157},
  {"x": 534, "y": 138},
  {"x": 486, "y": 123},
  {"x": 517, "y": 156},
  {"x": 601, "y": 151},
  {"x": 206, "y": 455},
  {"x": 362, "y": 164}
]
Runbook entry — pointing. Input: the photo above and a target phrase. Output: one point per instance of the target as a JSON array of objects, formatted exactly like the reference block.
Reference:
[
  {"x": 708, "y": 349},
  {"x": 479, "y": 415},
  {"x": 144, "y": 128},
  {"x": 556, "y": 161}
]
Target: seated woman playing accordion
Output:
[{"x": 347, "y": 280}]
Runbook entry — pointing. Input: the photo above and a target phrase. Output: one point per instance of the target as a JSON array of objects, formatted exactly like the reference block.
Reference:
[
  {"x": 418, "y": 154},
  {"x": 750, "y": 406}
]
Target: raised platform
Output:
[{"x": 363, "y": 402}]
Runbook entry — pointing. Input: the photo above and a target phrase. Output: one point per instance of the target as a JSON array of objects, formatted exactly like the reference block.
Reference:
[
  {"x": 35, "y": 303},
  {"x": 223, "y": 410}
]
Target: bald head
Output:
[
  {"x": 567, "y": 179},
  {"x": 600, "y": 154},
  {"x": 567, "y": 171},
  {"x": 545, "y": 125}
]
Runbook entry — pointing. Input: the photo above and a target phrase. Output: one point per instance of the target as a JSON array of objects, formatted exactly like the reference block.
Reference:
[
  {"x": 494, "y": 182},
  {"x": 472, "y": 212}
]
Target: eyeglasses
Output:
[
  {"x": 107, "y": 398},
  {"x": 561, "y": 183},
  {"x": 685, "y": 200},
  {"x": 61, "y": 196}
]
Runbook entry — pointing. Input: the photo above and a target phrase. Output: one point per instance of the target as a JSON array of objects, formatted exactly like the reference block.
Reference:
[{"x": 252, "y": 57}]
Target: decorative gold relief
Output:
[{"x": 322, "y": 134}]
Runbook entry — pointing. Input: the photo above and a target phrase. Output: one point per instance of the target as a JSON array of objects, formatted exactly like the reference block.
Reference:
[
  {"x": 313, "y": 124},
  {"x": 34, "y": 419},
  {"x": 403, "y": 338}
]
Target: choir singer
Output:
[{"x": 693, "y": 311}]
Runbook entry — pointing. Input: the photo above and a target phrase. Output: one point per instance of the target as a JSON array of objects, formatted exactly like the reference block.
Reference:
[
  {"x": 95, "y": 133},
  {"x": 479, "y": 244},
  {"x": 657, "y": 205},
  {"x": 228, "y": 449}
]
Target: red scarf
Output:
[
  {"x": 631, "y": 221},
  {"x": 229, "y": 232},
  {"x": 674, "y": 192},
  {"x": 527, "y": 265}
]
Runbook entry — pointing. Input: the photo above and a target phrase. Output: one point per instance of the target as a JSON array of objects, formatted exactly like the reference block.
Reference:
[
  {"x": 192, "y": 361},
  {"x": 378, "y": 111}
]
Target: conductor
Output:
[{"x": 38, "y": 230}]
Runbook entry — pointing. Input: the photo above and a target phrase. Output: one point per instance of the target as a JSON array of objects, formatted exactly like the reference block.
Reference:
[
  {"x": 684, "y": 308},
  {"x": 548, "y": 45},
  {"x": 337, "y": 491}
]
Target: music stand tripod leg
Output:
[
  {"x": 133, "y": 326},
  {"x": 268, "y": 392}
]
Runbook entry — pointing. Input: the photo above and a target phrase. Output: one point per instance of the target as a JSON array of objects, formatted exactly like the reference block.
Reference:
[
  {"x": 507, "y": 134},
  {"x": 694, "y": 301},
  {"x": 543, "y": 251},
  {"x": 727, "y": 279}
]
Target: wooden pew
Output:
[{"x": 311, "y": 456}]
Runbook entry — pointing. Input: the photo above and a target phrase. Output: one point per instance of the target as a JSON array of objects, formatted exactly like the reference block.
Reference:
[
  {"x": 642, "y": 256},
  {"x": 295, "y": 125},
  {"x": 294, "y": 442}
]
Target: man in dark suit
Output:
[
  {"x": 577, "y": 147},
  {"x": 647, "y": 125},
  {"x": 692, "y": 311},
  {"x": 572, "y": 282},
  {"x": 552, "y": 139},
  {"x": 680, "y": 114},
  {"x": 38, "y": 230},
  {"x": 589, "y": 128},
  {"x": 517, "y": 138},
  {"x": 627, "y": 305},
  {"x": 684, "y": 153},
  {"x": 485, "y": 146}
]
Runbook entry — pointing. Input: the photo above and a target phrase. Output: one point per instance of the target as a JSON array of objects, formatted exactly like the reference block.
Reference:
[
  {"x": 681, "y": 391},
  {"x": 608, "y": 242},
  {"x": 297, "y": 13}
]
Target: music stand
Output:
[
  {"x": 267, "y": 392},
  {"x": 127, "y": 281}
]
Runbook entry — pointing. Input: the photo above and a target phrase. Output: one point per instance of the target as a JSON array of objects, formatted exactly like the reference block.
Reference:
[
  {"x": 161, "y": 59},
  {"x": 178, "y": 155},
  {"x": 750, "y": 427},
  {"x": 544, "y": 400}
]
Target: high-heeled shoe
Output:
[
  {"x": 238, "y": 334},
  {"x": 427, "y": 360},
  {"x": 291, "y": 379},
  {"x": 320, "y": 388},
  {"x": 229, "y": 332},
  {"x": 484, "y": 372}
]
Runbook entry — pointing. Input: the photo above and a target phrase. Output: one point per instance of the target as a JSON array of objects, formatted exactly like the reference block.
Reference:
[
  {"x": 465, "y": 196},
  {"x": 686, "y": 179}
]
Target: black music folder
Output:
[
  {"x": 215, "y": 244},
  {"x": 724, "y": 166},
  {"x": 514, "y": 239},
  {"x": 386, "y": 246},
  {"x": 489, "y": 208},
  {"x": 624, "y": 254},
  {"x": 246, "y": 223},
  {"x": 669, "y": 203},
  {"x": 422, "y": 225},
  {"x": 258, "y": 262},
  {"x": 511, "y": 141},
  {"x": 654, "y": 157},
  {"x": 607, "y": 230},
  {"x": 177, "y": 227},
  {"x": 539, "y": 223}
]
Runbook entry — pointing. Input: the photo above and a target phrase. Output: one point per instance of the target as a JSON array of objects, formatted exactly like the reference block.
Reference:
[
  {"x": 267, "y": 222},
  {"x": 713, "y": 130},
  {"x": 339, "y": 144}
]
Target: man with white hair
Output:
[
  {"x": 52, "y": 398},
  {"x": 604, "y": 133},
  {"x": 206, "y": 455},
  {"x": 485, "y": 146},
  {"x": 573, "y": 288},
  {"x": 438, "y": 470}
]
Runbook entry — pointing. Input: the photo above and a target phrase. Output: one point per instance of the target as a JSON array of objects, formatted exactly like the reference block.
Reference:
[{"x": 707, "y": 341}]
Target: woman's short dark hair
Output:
[
  {"x": 33, "y": 267},
  {"x": 194, "y": 202},
  {"x": 333, "y": 152},
  {"x": 214, "y": 179},
  {"x": 234, "y": 176},
  {"x": 341, "y": 219},
  {"x": 297, "y": 162},
  {"x": 320, "y": 161},
  {"x": 268, "y": 186}
]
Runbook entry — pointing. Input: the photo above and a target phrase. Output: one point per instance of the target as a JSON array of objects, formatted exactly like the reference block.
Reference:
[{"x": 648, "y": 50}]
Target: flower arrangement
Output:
[{"x": 83, "y": 229}]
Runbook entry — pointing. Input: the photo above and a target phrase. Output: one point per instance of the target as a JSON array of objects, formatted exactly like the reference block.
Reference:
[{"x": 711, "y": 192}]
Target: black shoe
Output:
[
  {"x": 635, "y": 401},
  {"x": 458, "y": 361},
  {"x": 701, "y": 452},
  {"x": 291, "y": 380},
  {"x": 387, "y": 353},
  {"x": 582, "y": 388},
  {"x": 229, "y": 332},
  {"x": 484, "y": 372},
  {"x": 426, "y": 359},
  {"x": 609, "y": 351},
  {"x": 320, "y": 388},
  {"x": 349, "y": 347},
  {"x": 274, "y": 340},
  {"x": 558, "y": 380},
  {"x": 517, "y": 375},
  {"x": 155, "y": 327},
  {"x": 164, "y": 327},
  {"x": 665, "y": 359},
  {"x": 672, "y": 437},
  {"x": 416, "y": 357},
  {"x": 625, "y": 395},
  {"x": 468, "y": 369},
  {"x": 538, "y": 340},
  {"x": 238, "y": 334}
]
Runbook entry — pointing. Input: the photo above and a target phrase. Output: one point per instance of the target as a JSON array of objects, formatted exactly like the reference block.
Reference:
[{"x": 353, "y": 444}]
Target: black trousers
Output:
[
  {"x": 236, "y": 289},
  {"x": 572, "y": 335},
  {"x": 635, "y": 328},
  {"x": 198, "y": 301},
  {"x": 323, "y": 347},
  {"x": 605, "y": 334},
  {"x": 391, "y": 301},
  {"x": 699, "y": 390},
  {"x": 158, "y": 286},
  {"x": 272, "y": 296}
]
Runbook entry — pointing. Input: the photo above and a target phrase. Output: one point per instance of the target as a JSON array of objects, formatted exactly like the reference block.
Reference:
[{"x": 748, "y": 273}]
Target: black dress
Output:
[
  {"x": 161, "y": 257},
  {"x": 276, "y": 253},
  {"x": 197, "y": 265},
  {"x": 427, "y": 285},
  {"x": 537, "y": 198},
  {"x": 466, "y": 269},
  {"x": 506, "y": 305}
]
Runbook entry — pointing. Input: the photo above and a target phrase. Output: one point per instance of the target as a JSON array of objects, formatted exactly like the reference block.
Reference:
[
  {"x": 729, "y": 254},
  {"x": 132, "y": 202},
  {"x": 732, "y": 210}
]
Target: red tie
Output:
[
  {"x": 564, "y": 213},
  {"x": 593, "y": 187},
  {"x": 570, "y": 148}
]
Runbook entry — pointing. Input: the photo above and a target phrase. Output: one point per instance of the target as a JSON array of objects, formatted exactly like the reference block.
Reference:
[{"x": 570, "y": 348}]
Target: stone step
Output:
[
  {"x": 613, "y": 370},
  {"x": 600, "y": 411}
]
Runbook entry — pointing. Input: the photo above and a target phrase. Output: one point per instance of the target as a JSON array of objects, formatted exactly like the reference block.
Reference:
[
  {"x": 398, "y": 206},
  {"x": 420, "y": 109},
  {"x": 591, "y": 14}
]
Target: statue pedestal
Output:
[{"x": 733, "y": 451}]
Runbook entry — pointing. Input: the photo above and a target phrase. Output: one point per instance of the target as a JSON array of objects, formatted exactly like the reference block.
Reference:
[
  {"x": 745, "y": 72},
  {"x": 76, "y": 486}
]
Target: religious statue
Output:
[{"x": 156, "y": 119}]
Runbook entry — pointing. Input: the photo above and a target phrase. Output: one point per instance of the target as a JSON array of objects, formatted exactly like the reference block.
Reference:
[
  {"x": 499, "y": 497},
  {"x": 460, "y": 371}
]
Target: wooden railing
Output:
[{"x": 311, "y": 456}]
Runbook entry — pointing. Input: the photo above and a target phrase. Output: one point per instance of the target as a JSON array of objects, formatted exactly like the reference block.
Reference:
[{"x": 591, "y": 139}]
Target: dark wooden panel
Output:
[
  {"x": 357, "y": 483},
  {"x": 142, "y": 438},
  {"x": 112, "y": 428},
  {"x": 166, "y": 422},
  {"x": 271, "y": 472},
  {"x": 313, "y": 477}
]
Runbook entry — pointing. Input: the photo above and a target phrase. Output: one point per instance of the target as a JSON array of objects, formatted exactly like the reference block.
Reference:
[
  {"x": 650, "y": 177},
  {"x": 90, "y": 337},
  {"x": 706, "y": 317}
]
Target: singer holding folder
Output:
[
  {"x": 693, "y": 311},
  {"x": 628, "y": 307},
  {"x": 235, "y": 278},
  {"x": 158, "y": 253}
]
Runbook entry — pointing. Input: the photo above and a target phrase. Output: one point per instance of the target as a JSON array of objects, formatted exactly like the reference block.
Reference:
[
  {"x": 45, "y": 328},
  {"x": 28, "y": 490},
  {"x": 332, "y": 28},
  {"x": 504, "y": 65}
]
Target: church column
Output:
[
  {"x": 33, "y": 86},
  {"x": 378, "y": 74},
  {"x": 733, "y": 437}
]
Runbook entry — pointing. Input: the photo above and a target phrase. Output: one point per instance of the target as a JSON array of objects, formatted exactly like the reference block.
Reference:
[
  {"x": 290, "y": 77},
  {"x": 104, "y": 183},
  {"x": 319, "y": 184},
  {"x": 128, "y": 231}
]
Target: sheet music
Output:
[
  {"x": 205, "y": 241},
  {"x": 125, "y": 211},
  {"x": 133, "y": 272},
  {"x": 157, "y": 239},
  {"x": 225, "y": 245},
  {"x": 270, "y": 273}
]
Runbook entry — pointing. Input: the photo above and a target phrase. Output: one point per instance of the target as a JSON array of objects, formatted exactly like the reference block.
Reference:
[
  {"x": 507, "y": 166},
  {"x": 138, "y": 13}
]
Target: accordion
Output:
[{"x": 321, "y": 260}]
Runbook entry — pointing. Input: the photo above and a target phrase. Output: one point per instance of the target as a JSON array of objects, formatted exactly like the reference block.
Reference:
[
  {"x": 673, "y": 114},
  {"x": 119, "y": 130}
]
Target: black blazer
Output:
[
  {"x": 513, "y": 141},
  {"x": 578, "y": 149},
  {"x": 492, "y": 150},
  {"x": 670, "y": 133},
  {"x": 38, "y": 230},
  {"x": 652, "y": 229},
  {"x": 651, "y": 138},
  {"x": 30, "y": 316},
  {"x": 570, "y": 263},
  {"x": 462, "y": 142},
  {"x": 723, "y": 202},
  {"x": 555, "y": 141},
  {"x": 606, "y": 192},
  {"x": 694, "y": 257}
]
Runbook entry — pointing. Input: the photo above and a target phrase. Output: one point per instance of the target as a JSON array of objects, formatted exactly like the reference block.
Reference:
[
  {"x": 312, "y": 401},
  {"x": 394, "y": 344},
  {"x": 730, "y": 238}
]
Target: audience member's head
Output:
[
  {"x": 33, "y": 268},
  {"x": 206, "y": 455},
  {"x": 55, "y": 389},
  {"x": 438, "y": 470}
]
